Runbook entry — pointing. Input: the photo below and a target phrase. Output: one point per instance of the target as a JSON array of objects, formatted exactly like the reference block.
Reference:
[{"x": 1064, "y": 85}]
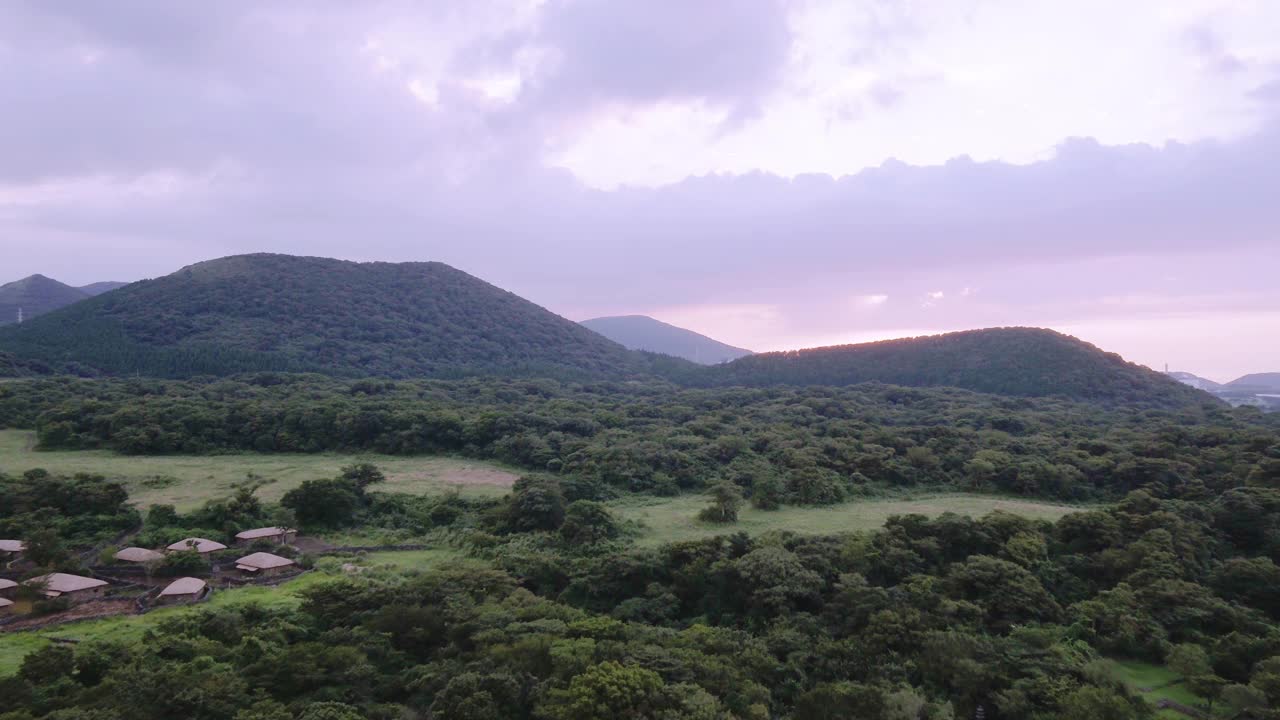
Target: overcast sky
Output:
[{"x": 776, "y": 174}]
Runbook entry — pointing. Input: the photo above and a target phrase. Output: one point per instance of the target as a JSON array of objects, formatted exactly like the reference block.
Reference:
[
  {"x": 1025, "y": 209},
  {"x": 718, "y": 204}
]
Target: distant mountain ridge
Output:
[
  {"x": 1194, "y": 381},
  {"x": 252, "y": 313},
  {"x": 98, "y": 288},
  {"x": 37, "y": 294},
  {"x": 1269, "y": 382},
  {"x": 1008, "y": 361},
  {"x": 34, "y": 296},
  {"x": 279, "y": 312},
  {"x": 641, "y": 332}
]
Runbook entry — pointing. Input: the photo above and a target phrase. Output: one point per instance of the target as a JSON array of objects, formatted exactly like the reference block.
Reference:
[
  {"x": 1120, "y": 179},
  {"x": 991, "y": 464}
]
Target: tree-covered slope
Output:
[
  {"x": 640, "y": 332},
  {"x": 279, "y": 312},
  {"x": 1008, "y": 361},
  {"x": 35, "y": 295}
]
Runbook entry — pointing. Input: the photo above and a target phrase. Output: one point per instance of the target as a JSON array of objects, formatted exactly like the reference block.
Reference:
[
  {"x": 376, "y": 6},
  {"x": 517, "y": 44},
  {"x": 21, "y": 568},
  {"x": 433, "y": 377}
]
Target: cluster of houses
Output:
[{"x": 77, "y": 588}]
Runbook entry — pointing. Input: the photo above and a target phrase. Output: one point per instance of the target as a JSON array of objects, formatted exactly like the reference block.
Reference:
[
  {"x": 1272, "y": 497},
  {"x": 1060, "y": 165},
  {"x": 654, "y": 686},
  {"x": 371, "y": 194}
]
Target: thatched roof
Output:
[
  {"x": 262, "y": 561},
  {"x": 12, "y": 546},
  {"x": 184, "y": 586},
  {"x": 137, "y": 554},
  {"x": 59, "y": 583},
  {"x": 264, "y": 532},
  {"x": 6, "y": 583},
  {"x": 5, "y": 602},
  {"x": 200, "y": 545}
]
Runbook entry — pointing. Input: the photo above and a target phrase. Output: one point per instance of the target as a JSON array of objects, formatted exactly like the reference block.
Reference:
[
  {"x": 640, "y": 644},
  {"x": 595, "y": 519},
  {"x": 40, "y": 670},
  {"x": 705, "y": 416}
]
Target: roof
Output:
[
  {"x": 137, "y": 554},
  {"x": 65, "y": 583},
  {"x": 256, "y": 533},
  {"x": 262, "y": 561},
  {"x": 184, "y": 586},
  {"x": 201, "y": 545},
  {"x": 12, "y": 546},
  {"x": 6, "y": 583},
  {"x": 5, "y": 602}
]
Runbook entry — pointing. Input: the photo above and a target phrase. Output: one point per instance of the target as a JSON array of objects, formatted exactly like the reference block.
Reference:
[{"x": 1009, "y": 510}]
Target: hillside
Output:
[
  {"x": 1010, "y": 361},
  {"x": 1256, "y": 382},
  {"x": 640, "y": 332},
  {"x": 278, "y": 312},
  {"x": 1194, "y": 381},
  {"x": 100, "y": 287},
  {"x": 35, "y": 296}
]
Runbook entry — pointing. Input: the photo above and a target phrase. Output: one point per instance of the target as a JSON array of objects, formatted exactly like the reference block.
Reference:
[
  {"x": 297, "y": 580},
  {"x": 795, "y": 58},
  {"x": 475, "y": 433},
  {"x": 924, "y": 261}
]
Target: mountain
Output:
[
  {"x": 34, "y": 296},
  {"x": 1009, "y": 361},
  {"x": 100, "y": 287},
  {"x": 1256, "y": 382},
  {"x": 640, "y": 332},
  {"x": 1194, "y": 381},
  {"x": 279, "y": 312}
]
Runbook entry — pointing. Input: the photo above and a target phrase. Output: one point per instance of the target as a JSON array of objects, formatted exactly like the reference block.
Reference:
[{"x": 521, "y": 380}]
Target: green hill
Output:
[
  {"x": 35, "y": 296},
  {"x": 640, "y": 332},
  {"x": 1008, "y": 361},
  {"x": 278, "y": 312}
]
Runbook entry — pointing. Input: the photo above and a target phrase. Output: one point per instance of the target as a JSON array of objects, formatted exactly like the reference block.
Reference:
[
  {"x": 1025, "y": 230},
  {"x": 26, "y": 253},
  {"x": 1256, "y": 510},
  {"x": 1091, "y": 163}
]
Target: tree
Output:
[
  {"x": 330, "y": 502},
  {"x": 767, "y": 493},
  {"x": 362, "y": 474},
  {"x": 47, "y": 664},
  {"x": 608, "y": 690},
  {"x": 588, "y": 522},
  {"x": 45, "y": 548},
  {"x": 536, "y": 503},
  {"x": 726, "y": 499}
]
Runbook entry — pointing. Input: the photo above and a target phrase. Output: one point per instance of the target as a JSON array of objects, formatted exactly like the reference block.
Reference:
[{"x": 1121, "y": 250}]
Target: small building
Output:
[
  {"x": 76, "y": 588},
  {"x": 6, "y": 606},
  {"x": 11, "y": 548},
  {"x": 138, "y": 555},
  {"x": 7, "y": 588},
  {"x": 200, "y": 545},
  {"x": 277, "y": 535},
  {"x": 182, "y": 590},
  {"x": 262, "y": 564}
]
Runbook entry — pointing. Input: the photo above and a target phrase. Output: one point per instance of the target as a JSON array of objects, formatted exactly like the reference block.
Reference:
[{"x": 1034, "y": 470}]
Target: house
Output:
[
  {"x": 73, "y": 587},
  {"x": 6, "y": 606},
  {"x": 11, "y": 548},
  {"x": 200, "y": 545},
  {"x": 277, "y": 535},
  {"x": 138, "y": 555},
  {"x": 262, "y": 564},
  {"x": 182, "y": 590},
  {"x": 7, "y": 587}
]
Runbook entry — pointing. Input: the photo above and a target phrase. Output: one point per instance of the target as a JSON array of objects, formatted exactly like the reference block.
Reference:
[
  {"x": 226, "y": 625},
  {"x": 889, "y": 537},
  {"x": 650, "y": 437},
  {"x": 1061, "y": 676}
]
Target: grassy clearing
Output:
[
  {"x": 414, "y": 559},
  {"x": 1138, "y": 675},
  {"x": 128, "y": 628},
  {"x": 187, "y": 481},
  {"x": 675, "y": 519}
]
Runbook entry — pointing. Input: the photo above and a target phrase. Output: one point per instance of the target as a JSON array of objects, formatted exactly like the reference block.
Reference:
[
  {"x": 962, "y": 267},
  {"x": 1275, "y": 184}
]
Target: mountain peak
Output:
[{"x": 641, "y": 332}]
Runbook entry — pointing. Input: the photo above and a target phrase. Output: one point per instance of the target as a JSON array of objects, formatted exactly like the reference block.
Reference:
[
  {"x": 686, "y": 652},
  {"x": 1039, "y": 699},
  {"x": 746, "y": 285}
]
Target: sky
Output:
[{"x": 773, "y": 173}]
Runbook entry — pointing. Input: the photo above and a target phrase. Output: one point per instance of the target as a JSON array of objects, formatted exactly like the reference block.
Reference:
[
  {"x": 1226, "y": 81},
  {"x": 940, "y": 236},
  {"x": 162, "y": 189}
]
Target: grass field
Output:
[
  {"x": 1138, "y": 675},
  {"x": 187, "y": 481},
  {"x": 15, "y": 645},
  {"x": 675, "y": 519}
]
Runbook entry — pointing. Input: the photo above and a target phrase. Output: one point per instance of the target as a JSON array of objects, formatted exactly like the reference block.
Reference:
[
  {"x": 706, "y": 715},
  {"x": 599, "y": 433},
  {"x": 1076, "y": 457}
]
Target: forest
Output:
[{"x": 808, "y": 445}]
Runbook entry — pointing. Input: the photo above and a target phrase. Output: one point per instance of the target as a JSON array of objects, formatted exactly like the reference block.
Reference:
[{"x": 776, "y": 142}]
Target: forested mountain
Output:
[
  {"x": 279, "y": 312},
  {"x": 35, "y": 295},
  {"x": 640, "y": 332},
  {"x": 1257, "y": 382},
  {"x": 100, "y": 287},
  {"x": 1008, "y": 361}
]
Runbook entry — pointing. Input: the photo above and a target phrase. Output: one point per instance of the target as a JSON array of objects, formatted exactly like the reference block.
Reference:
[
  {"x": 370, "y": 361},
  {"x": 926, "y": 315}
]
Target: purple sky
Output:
[{"x": 774, "y": 174}]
